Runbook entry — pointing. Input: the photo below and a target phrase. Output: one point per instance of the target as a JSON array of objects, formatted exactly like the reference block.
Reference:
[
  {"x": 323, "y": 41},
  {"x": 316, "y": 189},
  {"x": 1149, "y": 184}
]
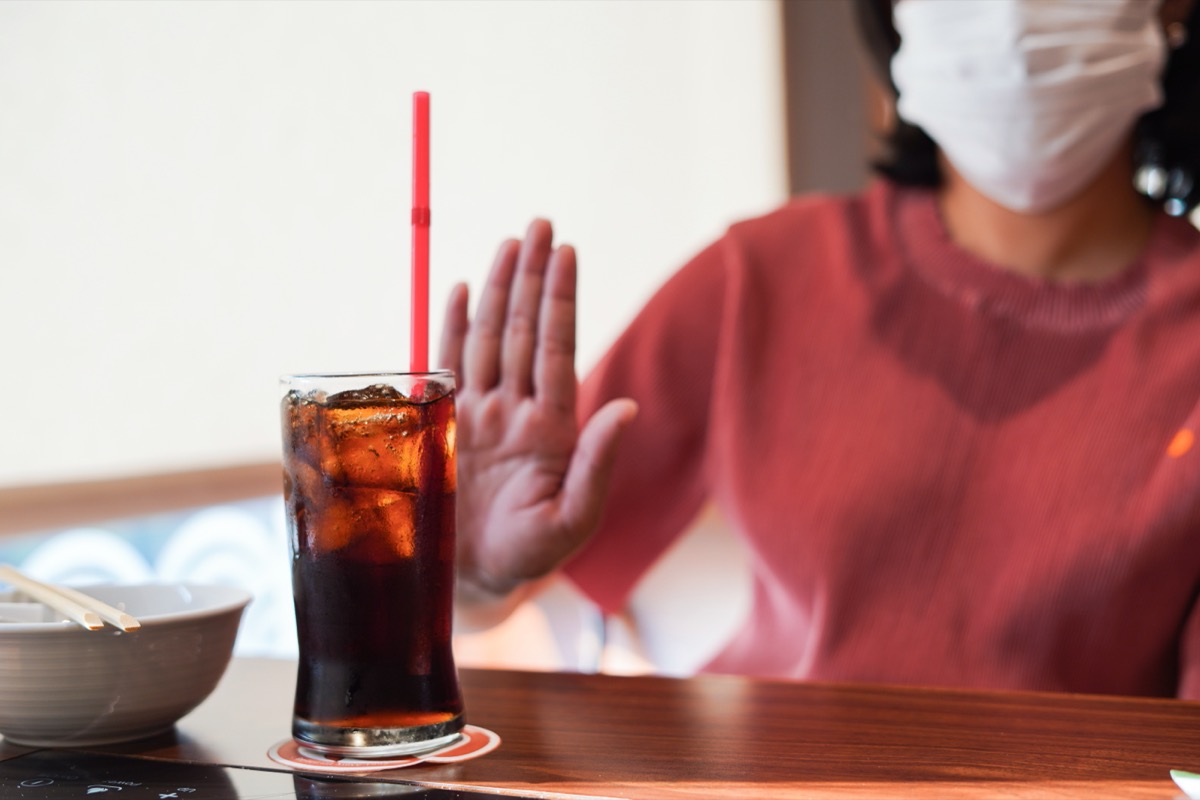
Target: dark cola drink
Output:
[{"x": 369, "y": 482}]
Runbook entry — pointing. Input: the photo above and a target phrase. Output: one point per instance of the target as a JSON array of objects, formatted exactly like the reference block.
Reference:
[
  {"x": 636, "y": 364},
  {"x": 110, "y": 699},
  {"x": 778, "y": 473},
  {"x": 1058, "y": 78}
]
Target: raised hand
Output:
[{"x": 531, "y": 483}]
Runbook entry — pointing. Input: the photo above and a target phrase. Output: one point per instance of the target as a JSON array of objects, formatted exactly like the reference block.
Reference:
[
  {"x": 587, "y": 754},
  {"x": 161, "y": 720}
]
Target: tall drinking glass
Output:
[{"x": 369, "y": 483}]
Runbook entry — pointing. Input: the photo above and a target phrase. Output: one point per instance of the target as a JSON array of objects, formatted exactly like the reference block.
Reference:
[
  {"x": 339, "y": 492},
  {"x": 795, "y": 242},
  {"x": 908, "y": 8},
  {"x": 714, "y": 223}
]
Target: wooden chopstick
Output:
[{"x": 87, "y": 611}]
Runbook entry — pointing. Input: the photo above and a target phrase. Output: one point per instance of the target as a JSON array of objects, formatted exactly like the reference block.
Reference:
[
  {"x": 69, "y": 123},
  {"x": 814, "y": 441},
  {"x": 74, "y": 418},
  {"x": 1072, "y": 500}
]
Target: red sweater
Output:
[{"x": 943, "y": 472}]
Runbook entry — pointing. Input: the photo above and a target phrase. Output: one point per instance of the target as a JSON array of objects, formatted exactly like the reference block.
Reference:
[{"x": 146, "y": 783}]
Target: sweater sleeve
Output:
[{"x": 665, "y": 360}]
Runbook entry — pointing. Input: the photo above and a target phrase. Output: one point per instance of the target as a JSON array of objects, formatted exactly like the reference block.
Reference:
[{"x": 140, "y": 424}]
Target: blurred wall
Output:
[
  {"x": 198, "y": 197},
  {"x": 832, "y": 105}
]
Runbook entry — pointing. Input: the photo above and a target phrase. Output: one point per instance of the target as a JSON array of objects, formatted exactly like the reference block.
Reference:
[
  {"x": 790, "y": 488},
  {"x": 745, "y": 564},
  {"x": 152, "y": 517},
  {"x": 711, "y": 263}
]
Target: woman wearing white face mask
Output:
[
  {"x": 953, "y": 419},
  {"x": 1045, "y": 130}
]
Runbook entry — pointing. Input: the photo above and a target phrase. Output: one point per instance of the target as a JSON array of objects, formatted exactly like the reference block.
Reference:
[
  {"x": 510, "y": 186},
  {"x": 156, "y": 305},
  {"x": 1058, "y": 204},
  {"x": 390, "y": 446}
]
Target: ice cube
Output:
[
  {"x": 367, "y": 525},
  {"x": 425, "y": 392},
  {"x": 372, "y": 446},
  {"x": 449, "y": 446},
  {"x": 397, "y": 522},
  {"x": 329, "y": 524},
  {"x": 377, "y": 394}
]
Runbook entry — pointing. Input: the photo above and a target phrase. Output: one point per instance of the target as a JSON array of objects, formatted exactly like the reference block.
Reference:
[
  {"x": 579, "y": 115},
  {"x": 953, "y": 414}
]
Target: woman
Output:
[{"x": 952, "y": 419}]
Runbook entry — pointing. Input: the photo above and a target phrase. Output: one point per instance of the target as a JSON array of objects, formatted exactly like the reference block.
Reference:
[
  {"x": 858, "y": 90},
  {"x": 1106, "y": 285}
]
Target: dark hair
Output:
[{"x": 1167, "y": 139}]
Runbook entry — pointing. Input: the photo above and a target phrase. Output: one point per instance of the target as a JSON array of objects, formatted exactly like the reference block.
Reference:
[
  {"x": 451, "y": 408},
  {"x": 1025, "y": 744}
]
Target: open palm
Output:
[{"x": 531, "y": 483}]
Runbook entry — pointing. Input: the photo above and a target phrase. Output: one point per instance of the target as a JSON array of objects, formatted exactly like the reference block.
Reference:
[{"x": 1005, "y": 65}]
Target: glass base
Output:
[{"x": 375, "y": 742}]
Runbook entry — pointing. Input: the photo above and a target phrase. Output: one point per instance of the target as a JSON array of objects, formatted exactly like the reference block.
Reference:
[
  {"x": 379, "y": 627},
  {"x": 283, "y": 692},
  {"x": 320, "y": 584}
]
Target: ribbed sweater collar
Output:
[{"x": 928, "y": 251}]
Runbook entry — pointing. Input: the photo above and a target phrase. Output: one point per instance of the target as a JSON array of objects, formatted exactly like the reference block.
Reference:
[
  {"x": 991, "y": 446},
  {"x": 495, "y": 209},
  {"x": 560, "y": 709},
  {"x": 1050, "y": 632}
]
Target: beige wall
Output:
[{"x": 197, "y": 197}]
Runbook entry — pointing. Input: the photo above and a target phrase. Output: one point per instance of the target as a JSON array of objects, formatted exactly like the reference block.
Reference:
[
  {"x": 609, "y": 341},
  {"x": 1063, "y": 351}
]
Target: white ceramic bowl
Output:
[{"x": 61, "y": 685}]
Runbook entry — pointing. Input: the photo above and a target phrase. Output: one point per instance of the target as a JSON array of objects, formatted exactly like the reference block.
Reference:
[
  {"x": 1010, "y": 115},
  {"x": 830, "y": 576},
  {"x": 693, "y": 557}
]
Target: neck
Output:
[{"x": 1094, "y": 235}]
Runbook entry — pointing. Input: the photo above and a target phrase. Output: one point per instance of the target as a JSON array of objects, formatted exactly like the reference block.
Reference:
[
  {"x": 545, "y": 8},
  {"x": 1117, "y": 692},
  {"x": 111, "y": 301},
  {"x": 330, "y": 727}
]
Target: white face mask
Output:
[{"x": 1028, "y": 99}]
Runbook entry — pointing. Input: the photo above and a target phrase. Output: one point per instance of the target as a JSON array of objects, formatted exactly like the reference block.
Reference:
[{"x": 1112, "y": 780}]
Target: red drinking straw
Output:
[{"x": 419, "y": 351}]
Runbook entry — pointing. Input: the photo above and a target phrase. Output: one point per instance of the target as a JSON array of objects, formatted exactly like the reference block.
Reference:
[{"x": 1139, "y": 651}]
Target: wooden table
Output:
[{"x": 737, "y": 738}]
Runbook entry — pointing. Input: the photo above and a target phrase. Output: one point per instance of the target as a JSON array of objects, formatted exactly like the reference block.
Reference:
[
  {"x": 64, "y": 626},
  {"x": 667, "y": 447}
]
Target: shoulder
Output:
[
  {"x": 814, "y": 242},
  {"x": 823, "y": 234},
  {"x": 819, "y": 208}
]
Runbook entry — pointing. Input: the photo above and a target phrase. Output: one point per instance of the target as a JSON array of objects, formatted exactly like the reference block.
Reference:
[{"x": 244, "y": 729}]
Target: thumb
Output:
[{"x": 586, "y": 481}]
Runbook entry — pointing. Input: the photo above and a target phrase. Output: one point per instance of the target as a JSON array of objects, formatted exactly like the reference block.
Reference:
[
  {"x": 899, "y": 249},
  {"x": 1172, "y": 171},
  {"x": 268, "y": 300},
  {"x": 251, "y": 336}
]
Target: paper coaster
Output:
[{"x": 474, "y": 742}]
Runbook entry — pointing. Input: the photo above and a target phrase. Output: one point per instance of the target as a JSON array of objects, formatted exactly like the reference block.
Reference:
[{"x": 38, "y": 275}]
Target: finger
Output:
[
  {"x": 454, "y": 330},
  {"x": 586, "y": 481},
  {"x": 481, "y": 350},
  {"x": 520, "y": 328},
  {"x": 554, "y": 359}
]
